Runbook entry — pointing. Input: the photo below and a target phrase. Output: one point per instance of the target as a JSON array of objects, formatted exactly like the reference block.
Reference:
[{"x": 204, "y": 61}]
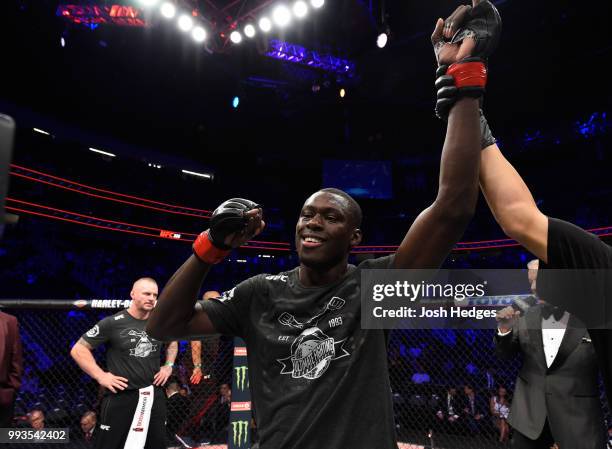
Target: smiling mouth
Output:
[{"x": 311, "y": 242}]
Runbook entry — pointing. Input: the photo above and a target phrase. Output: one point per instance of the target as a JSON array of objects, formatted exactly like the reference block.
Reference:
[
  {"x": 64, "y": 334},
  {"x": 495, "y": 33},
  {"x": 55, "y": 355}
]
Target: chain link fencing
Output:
[
  {"x": 53, "y": 383},
  {"x": 430, "y": 372}
]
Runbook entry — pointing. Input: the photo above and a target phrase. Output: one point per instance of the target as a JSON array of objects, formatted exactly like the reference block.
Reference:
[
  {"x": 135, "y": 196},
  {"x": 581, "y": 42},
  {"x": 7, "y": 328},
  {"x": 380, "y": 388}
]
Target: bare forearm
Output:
[
  {"x": 505, "y": 191},
  {"x": 171, "y": 352},
  {"x": 196, "y": 352},
  {"x": 175, "y": 307},
  {"x": 85, "y": 359},
  {"x": 512, "y": 203},
  {"x": 459, "y": 165},
  {"x": 436, "y": 230}
]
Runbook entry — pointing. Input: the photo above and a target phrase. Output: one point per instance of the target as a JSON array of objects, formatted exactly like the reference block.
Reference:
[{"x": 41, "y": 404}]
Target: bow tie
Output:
[{"x": 548, "y": 310}]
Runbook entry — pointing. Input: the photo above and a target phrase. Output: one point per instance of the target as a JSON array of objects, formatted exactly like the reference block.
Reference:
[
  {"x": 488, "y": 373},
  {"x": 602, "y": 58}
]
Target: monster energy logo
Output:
[
  {"x": 239, "y": 431},
  {"x": 241, "y": 377}
]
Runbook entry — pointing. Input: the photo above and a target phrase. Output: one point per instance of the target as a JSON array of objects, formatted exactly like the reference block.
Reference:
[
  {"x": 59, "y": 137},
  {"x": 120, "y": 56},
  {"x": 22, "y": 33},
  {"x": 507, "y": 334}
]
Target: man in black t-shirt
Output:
[
  {"x": 317, "y": 378},
  {"x": 133, "y": 411}
]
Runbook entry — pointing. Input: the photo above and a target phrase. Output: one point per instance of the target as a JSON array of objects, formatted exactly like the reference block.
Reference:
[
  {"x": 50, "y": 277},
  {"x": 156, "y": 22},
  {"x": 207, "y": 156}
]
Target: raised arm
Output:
[
  {"x": 511, "y": 202},
  {"x": 233, "y": 223},
  {"x": 436, "y": 230}
]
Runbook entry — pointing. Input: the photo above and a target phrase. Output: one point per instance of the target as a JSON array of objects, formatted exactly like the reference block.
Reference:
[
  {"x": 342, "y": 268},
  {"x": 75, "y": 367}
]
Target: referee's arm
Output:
[{"x": 512, "y": 203}]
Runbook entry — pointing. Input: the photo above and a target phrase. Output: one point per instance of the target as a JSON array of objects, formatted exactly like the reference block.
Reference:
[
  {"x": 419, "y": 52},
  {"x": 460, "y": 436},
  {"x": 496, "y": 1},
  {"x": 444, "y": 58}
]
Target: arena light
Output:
[
  {"x": 249, "y": 31},
  {"x": 94, "y": 14},
  {"x": 148, "y": 3},
  {"x": 281, "y": 16},
  {"x": 300, "y": 9},
  {"x": 168, "y": 10},
  {"x": 236, "y": 37},
  {"x": 317, "y": 3},
  {"x": 104, "y": 153},
  {"x": 198, "y": 34},
  {"x": 265, "y": 24},
  {"x": 62, "y": 42},
  {"x": 297, "y": 54},
  {"x": 381, "y": 40},
  {"x": 342, "y": 93},
  {"x": 196, "y": 174},
  {"x": 185, "y": 23},
  {"x": 41, "y": 131},
  {"x": 236, "y": 102}
]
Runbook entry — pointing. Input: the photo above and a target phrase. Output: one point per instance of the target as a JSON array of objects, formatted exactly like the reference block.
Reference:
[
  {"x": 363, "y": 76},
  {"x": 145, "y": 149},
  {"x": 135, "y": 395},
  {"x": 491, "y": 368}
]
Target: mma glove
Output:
[
  {"x": 447, "y": 96},
  {"x": 468, "y": 77},
  {"x": 229, "y": 218}
]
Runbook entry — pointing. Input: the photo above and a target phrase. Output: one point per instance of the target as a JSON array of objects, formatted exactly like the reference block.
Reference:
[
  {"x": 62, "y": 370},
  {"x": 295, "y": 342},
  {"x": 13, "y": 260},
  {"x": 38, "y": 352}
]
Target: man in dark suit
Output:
[
  {"x": 177, "y": 410},
  {"x": 87, "y": 434},
  {"x": 473, "y": 410},
  {"x": 11, "y": 367},
  {"x": 449, "y": 413},
  {"x": 556, "y": 399}
]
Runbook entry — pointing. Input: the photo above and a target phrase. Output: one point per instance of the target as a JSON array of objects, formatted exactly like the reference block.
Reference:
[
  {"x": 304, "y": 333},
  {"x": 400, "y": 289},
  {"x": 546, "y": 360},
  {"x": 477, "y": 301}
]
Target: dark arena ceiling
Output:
[{"x": 154, "y": 87}]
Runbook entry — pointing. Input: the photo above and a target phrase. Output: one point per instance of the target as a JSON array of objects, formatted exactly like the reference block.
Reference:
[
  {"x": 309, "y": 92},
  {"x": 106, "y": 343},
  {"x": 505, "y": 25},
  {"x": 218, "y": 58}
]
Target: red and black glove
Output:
[
  {"x": 449, "y": 89},
  {"x": 467, "y": 76},
  {"x": 229, "y": 218}
]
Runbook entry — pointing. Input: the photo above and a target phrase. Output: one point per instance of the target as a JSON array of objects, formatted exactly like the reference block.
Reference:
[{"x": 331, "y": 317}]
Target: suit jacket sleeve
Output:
[
  {"x": 17, "y": 359},
  {"x": 507, "y": 346}
]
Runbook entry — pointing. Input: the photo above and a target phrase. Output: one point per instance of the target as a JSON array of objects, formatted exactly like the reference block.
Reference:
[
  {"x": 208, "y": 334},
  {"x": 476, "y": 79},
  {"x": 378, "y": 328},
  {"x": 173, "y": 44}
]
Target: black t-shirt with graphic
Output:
[
  {"x": 130, "y": 352},
  {"x": 586, "y": 291},
  {"x": 317, "y": 379}
]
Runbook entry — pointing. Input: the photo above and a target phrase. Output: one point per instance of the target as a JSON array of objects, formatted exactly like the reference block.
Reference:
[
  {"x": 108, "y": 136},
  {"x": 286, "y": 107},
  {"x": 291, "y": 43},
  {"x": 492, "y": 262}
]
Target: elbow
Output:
[
  {"x": 513, "y": 221},
  {"x": 74, "y": 352},
  {"x": 457, "y": 214},
  {"x": 456, "y": 204},
  {"x": 159, "y": 332}
]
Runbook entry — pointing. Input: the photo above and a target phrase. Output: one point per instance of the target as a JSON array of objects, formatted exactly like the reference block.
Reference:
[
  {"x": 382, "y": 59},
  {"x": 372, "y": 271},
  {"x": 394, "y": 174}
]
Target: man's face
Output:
[
  {"x": 224, "y": 389},
  {"x": 468, "y": 390},
  {"x": 324, "y": 233},
  {"x": 532, "y": 275},
  {"x": 144, "y": 295},
  {"x": 88, "y": 423},
  {"x": 37, "y": 420}
]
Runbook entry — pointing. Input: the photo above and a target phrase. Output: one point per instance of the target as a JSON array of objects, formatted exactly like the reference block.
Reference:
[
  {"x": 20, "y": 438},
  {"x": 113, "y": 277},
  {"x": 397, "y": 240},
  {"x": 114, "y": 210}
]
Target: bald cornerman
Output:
[{"x": 133, "y": 411}]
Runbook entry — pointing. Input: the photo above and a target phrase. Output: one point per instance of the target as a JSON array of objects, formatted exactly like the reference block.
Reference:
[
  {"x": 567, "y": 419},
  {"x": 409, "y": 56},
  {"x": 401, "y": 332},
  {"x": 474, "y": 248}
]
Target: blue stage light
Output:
[{"x": 236, "y": 102}]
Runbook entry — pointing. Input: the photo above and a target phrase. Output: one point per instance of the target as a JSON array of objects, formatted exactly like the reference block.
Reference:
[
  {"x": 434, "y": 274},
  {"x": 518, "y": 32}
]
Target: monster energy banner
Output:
[{"x": 240, "y": 416}]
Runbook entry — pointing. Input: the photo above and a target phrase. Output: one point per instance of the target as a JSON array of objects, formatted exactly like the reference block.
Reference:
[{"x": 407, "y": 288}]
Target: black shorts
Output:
[{"x": 130, "y": 414}]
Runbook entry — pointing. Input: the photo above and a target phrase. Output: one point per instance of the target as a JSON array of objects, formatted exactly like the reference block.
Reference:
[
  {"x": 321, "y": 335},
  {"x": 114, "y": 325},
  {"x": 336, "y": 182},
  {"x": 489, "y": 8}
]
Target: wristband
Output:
[
  {"x": 171, "y": 364},
  {"x": 208, "y": 253},
  {"x": 486, "y": 137},
  {"x": 468, "y": 74}
]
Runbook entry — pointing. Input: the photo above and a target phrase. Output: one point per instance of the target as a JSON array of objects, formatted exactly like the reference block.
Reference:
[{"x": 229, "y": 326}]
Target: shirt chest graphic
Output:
[
  {"x": 137, "y": 343},
  {"x": 312, "y": 351}
]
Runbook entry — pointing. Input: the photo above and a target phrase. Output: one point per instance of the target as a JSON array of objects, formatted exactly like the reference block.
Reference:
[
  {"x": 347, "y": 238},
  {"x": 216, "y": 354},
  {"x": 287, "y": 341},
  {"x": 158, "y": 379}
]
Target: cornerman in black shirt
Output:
[
  {"x": 133, "y": 411},
  {"x": 317, "y": 378}
]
